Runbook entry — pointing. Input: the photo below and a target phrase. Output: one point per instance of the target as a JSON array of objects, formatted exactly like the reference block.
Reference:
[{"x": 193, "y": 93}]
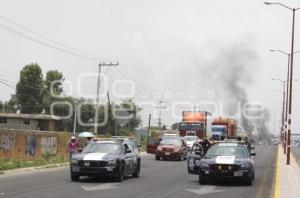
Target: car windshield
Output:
[
  {"x": 230, "y": 150},
  {"x": 102, "y": 148},
  {"x": 190, "y": 138},
  {"x": 171, "y": 142}
]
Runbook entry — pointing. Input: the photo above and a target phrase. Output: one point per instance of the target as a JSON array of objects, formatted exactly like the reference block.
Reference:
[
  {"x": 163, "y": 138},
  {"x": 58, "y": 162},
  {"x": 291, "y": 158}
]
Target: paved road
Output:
[{"x": 158, "y": 179}]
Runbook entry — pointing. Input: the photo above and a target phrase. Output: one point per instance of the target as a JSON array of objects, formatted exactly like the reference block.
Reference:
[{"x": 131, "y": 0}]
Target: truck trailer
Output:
[
  {"x": 224, "y": 127},
  {"x": 198, "y": 121}
]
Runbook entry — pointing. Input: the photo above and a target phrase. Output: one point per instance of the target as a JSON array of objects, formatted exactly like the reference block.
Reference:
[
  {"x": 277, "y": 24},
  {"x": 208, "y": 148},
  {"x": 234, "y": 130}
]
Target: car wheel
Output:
[
  {"x": 202, "y": 180},
  {"x": 249, "y": 180},
  {"x": 75, "y": 178},
  {"x": 120, "y": 175},
  {"x": 137, "y": 171},
  {"x": 157, "y": 157}
]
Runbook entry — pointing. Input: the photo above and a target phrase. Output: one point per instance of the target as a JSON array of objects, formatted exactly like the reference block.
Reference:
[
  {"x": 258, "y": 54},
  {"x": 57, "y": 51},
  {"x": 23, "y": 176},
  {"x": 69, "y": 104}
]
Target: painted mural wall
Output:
[{"x": 32, "y": 145}]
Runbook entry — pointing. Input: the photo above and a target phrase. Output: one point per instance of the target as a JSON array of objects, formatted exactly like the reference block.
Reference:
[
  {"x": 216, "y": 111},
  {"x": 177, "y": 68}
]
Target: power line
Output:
[
  {"x": 44, "y": 43},
  {"x": 45, "y": 37},
  {"x": 6, "y": 84},
  {"x": 78, "y": 53}
]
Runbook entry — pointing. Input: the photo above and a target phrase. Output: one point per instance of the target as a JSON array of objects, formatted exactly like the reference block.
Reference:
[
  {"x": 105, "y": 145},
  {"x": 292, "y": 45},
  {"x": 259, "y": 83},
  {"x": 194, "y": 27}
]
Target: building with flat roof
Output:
[{"x": 18, "y": 121}]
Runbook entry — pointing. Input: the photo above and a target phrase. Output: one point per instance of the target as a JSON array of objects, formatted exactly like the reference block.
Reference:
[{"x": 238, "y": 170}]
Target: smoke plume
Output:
[{"x": 231, "y": 73}]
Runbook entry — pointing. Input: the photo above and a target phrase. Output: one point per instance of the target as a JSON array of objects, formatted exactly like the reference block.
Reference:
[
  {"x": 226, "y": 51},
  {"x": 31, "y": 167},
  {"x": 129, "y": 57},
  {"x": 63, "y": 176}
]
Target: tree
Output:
[
  {"x": 175, "y": 126},
  {"x": 11, "y": 105},
  {"x": 52, "y": 89},
  {"x": 30, "y": 88}
]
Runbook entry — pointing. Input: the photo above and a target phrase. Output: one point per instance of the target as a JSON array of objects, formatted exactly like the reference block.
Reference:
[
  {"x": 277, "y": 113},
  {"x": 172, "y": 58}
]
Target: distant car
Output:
[
  {"x": 194, "y": 155},
  {"x": 171, "y": 149},
  {"x": 190, "y": 140},
  {"x": 227, "y": 160},
  {"x": 109, "y": 158}
]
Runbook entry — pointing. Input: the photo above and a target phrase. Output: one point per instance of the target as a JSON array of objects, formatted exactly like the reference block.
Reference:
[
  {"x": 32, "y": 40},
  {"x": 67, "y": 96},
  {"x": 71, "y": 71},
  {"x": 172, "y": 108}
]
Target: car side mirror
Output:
[{"x": 253, "y": 154}]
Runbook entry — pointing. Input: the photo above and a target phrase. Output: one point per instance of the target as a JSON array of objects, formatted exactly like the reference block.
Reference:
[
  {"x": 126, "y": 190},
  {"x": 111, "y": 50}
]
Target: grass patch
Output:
[{"x": 14, "y": 164}]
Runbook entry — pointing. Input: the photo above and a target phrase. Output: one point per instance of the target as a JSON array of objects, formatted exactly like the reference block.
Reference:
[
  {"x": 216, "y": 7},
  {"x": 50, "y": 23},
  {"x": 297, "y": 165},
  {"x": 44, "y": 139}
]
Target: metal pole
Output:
[
  {"x": 97, "y": 101},
  {"x": 287, "y": 102},
  {"x": 283, "y": 110},
  {"x": 98, "y": 90},
  {"x": 149, "y": 124},
  {"x": 75, "y": 119},
  {"x": 291, "y": 94}
]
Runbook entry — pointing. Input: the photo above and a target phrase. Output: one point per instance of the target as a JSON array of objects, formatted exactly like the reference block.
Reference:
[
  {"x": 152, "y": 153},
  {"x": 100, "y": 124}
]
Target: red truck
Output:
[
  {"x": 224, "y": 127},
  {"x": 199, "y": 122}
]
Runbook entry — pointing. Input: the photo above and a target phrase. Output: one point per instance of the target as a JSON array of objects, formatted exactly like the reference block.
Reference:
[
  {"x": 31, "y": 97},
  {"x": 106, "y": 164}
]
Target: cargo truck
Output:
[
  {"x": 224, "y": 127},
  {"x": 198, "y": 121}
]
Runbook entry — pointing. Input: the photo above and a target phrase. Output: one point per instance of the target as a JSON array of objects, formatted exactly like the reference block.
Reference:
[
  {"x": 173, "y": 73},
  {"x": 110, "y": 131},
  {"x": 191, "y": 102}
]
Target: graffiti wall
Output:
[
  {"x": 49, "y": 145},
  {"x": 7, "y": 142},
  {"x": 32, "y": 145}
]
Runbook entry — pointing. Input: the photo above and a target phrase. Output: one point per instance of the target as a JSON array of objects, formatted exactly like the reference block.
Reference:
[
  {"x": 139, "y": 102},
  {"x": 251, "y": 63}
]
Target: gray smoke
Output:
[{"x": 231, "y": 73}]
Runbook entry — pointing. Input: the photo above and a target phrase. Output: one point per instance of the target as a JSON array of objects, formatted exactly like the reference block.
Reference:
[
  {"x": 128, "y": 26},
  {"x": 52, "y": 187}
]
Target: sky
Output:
[{"x": 166, "y": 49}]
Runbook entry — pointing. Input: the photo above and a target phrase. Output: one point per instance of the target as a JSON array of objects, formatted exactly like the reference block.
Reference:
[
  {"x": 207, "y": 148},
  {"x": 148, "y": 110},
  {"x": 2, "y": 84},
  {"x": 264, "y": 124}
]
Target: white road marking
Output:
[
  {"x": 205, "y": 190},
  {"x": 106, "y": 186}
]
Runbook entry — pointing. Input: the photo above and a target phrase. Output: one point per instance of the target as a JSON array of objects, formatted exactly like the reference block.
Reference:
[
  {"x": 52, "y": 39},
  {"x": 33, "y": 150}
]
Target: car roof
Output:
[
  {"x": 106, "y": 142},
  {"x": 229, "y": 143}
]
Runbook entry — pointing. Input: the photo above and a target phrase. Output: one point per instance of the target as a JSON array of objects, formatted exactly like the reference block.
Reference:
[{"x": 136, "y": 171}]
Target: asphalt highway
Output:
[{"x": 158, "y": 179}]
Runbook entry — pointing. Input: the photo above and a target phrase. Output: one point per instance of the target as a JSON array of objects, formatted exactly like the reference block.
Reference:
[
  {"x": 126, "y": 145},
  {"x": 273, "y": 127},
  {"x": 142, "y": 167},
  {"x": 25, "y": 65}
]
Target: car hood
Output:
[
  {"x": 225, "y": 160},
  {"x": 190, "y": 142},
  {"x": 94, "y": 156}
]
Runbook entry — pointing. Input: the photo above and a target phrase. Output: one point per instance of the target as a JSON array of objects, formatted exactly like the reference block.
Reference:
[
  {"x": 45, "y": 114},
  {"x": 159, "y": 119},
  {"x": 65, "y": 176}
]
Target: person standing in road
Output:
[
  {"x": 88, "y": 141},
  {"x": 247, "y": 143},
  {"x": 205, "y": 144},
  {"x": 72, "y": 147}
]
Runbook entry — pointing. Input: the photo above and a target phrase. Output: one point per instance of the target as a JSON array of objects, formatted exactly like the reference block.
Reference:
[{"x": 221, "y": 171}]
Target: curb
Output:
[
  {"x": 277, "y": 175},
  {"x": 19, "y": 170}
]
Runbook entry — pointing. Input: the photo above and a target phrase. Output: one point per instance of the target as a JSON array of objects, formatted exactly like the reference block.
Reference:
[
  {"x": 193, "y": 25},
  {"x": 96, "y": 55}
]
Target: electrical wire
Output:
[{"x": 78, "y": 53}]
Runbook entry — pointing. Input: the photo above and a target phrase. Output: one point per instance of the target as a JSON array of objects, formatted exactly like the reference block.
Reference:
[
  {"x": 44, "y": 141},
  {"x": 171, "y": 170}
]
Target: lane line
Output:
[{"x": 277, "y": 180}]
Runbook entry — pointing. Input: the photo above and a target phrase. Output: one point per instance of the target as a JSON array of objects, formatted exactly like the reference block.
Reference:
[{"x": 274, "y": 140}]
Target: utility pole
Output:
[
  {"x": 160, "y": 107},
  {"x": 98, "y": 90},
  {"x": 149, "y": 125},
  {"x": 75, "y": 118}
]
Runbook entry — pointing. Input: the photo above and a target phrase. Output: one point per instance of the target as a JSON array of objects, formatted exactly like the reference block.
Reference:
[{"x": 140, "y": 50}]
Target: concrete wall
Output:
[
  {"x": 17, "y": 123},
  {"x": 31, "y": 145}
]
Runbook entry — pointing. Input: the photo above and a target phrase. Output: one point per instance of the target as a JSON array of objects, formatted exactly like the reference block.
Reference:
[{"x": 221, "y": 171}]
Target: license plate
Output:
[
  {"x": 206, "y": 172},
  {"x": 75, "y": 169},
  {"x": 167, "y": 153},
  {"x": 86, "y": 163},
  {"x": 238, "y": 174}
]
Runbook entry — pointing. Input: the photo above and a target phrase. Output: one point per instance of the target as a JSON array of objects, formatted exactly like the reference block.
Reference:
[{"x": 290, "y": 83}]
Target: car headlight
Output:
[
  {"x": 74, "y": 162},
  {"x": 204, "y": 165},
  {"x": 112, "y": 162},
  {"x": 176, "y": 149},
  {"x": 245, "y": 166}
]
